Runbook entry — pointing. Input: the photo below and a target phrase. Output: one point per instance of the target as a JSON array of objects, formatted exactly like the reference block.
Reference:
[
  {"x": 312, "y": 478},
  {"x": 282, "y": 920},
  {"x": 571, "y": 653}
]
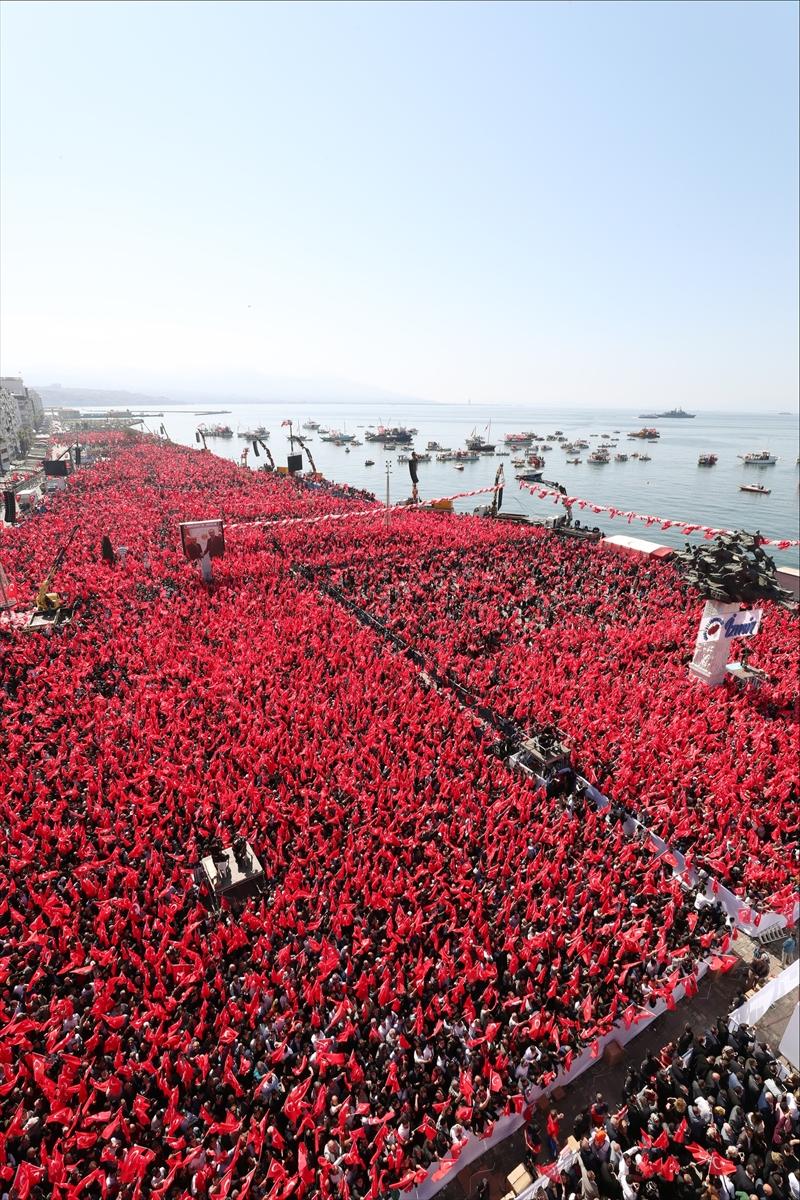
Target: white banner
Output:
[{"x": 756, "y": 1007}]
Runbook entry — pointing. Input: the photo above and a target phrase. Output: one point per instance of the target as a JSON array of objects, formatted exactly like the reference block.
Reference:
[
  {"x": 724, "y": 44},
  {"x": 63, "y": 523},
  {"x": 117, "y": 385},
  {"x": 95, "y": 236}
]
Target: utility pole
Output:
[{"x": 388, "y": 471}]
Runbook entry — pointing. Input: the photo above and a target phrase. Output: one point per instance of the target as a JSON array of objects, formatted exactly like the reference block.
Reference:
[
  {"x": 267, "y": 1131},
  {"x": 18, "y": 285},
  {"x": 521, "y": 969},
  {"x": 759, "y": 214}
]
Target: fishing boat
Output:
[
  {"x": 311, "y": 425},
  {"x": 481, "y": 444},
  {"x": 396, "y": 434},
  {"x": 445, "y": 456},
  {"x": 369, "y": 463},
  {"x": 518, "y": 439},
  {"x": 529, "y": 476},
  {"x": 762, "y": 459},
  {"x": 535, "y": 461},
  {"x": 465, "y": 456},
  {"x": 706, "y": 460},
  {"x": 646, "y": 432},
  {"x": 249, "y": 434},
  {"x": 758, "y": 488},
  {"x": 435, "y": 447},
  {"x": 597, "y": 456},
  {"x": 620, "y": 458},
  {"x": 223, "y": 431}
]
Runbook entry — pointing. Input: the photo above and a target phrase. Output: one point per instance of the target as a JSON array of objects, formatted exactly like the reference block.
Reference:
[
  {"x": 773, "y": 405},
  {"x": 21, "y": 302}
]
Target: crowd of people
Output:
[
  {"x": 709, "y": 1118},
  {"x": 558, "y": 632},
  {"x": 436, "y": 936}
]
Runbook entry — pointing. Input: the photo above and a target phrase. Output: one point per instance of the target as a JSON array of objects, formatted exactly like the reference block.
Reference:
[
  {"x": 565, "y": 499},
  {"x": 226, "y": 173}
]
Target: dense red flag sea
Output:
[{"x": 437, "y": 933}]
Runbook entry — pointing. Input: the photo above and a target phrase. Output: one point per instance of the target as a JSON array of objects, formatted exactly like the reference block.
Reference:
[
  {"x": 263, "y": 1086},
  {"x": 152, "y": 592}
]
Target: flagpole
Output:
[{"x": 388, "y": 469}]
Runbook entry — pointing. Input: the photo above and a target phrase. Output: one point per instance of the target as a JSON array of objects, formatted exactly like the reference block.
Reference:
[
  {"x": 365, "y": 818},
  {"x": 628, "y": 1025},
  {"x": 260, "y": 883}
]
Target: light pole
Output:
[{"x": 388, "y": 473}]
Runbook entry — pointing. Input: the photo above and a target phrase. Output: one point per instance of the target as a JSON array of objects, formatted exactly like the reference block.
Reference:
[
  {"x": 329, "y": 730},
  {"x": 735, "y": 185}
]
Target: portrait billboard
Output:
[{"x": 203, "y": 538}]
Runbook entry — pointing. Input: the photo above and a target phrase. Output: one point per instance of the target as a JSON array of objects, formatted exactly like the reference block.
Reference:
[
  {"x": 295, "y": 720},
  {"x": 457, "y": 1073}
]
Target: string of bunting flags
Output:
[
  {"x": 687, "y": 527},
  {"x": 377, "y": 510}
]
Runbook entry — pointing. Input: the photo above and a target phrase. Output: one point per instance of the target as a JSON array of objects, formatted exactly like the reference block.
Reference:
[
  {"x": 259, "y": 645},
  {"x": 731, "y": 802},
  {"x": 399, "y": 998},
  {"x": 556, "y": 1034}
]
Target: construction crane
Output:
[
  {"x": 310, "y": 459},
  {"x": 499, "y": 481},
  {"x": 49, "y": 609},
  {"x": 258, "y": 442}
]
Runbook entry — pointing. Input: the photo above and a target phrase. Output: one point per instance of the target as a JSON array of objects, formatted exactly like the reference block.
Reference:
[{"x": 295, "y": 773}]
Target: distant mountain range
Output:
[
  {"x": 230, "y": 386},
  {"x": 70, "y": 397}
]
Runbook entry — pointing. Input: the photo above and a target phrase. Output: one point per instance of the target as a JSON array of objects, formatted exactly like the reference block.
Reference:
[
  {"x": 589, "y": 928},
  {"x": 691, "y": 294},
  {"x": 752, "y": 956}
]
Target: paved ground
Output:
[{"x": 713, "y": 998}]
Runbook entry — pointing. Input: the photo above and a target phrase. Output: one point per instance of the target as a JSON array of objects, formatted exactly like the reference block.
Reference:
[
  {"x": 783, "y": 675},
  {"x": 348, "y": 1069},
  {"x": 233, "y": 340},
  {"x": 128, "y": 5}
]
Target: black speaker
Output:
[
  {"x": 10, "y": 502},
  {"x": 295, "y": 463}
]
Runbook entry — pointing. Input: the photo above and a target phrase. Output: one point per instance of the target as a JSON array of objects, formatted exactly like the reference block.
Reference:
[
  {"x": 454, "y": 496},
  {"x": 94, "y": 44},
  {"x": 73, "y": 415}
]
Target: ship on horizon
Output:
[{"x": 673, "y": 412}]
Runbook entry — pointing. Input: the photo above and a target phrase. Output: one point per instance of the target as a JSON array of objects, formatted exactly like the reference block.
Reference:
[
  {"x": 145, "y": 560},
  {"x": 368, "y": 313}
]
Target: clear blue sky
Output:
[{"x": 586, "y": 203}]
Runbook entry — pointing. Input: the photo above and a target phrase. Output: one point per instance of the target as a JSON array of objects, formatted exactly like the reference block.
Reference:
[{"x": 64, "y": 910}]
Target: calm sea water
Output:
[{"x": 671, "y": 485}]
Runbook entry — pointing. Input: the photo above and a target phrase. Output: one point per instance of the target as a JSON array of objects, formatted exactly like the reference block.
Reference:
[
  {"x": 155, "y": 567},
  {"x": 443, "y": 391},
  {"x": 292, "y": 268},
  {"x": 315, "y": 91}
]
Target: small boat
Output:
[
  {"x": 762, "y": 459},
  {"x": 502, "y": 453},
  {"x": 459, "y": 467},
  {"x": 758, "y": 488},
  {"x": 706, "y": 460},
  {"x": 529, "y": 476},
  {"x": 436, "y": 447},
  {"x": 620, "y": 458},
  {"x": 574, "y": 460},
  {"x": 518, "y": 439},
  {"x": 535, "y": 461},
  {"x": 480, "y": 444},
  {"x": 559, "y": 432},
  {"x": 635, "y": 454},
  {"x": 369, "y": 463},
  {"x": 598, "y": 457},
  {"x": 445, "y": 456},
  {"x": 644, "y": 458},
  {"x": 518, "y": 462},
  {"x": 249, "y": 434},
  {"x": 466, "y": 456},
  {"x": 311, "y": 425}
]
